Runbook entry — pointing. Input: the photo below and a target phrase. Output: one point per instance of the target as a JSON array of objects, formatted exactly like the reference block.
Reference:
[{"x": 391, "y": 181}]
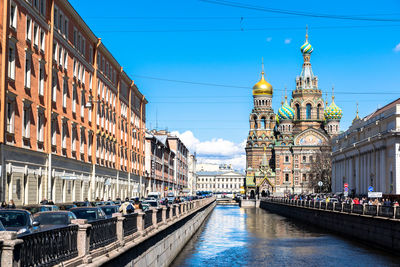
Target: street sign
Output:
[
  {"x": 346, "y": 185},
  {"x": 320, "y": 183},
  {"x": 346, "y": 194},
  {"x": 374, "y": 194},
  {"x": 370, "y": 189},
  {"x": 346, "y": 189}
]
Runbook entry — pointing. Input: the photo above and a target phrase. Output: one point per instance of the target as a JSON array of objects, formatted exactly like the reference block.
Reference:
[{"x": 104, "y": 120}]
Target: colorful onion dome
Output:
[
  {"x": 306, "y": 48},
  {"x": 333, "y": 112},
  {"x": 286, "y": 112},
  {"x": 262, "y": 87}
]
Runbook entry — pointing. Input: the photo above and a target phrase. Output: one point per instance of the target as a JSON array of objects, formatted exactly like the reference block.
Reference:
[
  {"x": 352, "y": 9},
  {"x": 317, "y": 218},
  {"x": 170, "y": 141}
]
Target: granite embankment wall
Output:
[
  {"x": 379, "y": 232},
  {"x": 163, "y": 247}
]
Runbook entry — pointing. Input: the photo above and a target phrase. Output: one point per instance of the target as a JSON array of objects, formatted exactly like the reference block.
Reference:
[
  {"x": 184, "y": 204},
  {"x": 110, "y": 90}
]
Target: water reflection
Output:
[{"x": 234, "y": 236}]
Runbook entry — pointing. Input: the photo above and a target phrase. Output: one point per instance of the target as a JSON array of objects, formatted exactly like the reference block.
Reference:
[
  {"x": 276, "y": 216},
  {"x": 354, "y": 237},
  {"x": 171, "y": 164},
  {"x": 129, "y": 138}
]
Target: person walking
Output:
[{"x": 11, "y": 205}]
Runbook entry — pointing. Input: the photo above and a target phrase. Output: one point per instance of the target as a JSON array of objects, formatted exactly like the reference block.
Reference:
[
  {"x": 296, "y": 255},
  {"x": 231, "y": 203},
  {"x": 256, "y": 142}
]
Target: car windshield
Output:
[
  {"x": 109, "y": 210},
  {"x": 52, "y": 219},
  {"x": 13, "y": 219},
  {"x": 86, "y": 214},
  {"x": 46, "y": 208},
  {"x": 32, "y": 209}
]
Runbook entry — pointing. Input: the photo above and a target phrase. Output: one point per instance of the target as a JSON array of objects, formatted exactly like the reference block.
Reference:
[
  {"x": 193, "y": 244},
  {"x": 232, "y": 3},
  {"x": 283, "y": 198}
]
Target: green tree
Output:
[{"x": 321, "y": 170}]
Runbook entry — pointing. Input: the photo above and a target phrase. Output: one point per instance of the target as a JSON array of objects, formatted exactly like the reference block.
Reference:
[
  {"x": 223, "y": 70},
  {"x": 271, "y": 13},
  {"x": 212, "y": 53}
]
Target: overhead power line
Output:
[
  {"x": 296, "y": 13},
  {"x": 249, "y": 88}
]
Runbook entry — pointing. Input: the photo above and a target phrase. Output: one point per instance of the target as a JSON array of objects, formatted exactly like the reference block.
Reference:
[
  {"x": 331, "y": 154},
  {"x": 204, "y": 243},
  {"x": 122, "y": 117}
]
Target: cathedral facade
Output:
[{"x": 282, "y": 145}]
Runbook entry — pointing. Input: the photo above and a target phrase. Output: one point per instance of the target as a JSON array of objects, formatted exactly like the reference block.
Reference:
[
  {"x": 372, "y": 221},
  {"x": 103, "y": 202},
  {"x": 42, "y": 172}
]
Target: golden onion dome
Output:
[{"x": 262, "y": 87}]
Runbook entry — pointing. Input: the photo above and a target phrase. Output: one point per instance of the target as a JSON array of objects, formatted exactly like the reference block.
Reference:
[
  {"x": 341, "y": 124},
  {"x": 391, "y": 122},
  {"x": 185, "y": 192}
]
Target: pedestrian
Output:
[
  {"x": 3, "y": 205},
  {"x": 11, "y": 205},
  {"x": 50, "y": 202},
  {"x": 44, "y": 201}
]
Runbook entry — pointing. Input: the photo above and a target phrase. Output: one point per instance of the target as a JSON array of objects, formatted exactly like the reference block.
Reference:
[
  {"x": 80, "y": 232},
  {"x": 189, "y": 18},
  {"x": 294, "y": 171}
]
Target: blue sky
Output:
[{"x": 201, "y": 42}]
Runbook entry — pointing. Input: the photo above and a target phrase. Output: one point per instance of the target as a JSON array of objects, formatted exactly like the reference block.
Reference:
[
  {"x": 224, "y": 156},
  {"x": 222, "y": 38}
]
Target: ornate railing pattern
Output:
[
  {"x": 103, "y": 232},
  {"x": 148, "y": 218},
  {"x": 130, "y": 224},
  {"x": 361, "y": 209},
  {"x": 159, "y": 215},
  {"x": 48, "y": 247}
]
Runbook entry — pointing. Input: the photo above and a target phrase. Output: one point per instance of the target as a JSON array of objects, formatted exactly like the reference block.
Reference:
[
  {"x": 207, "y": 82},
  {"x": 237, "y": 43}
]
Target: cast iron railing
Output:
[
  {"x": 48, "y": 247},
  {"x": 386, "y": 211},
  {"x": 103, "y": 232},
  {"x": 371, "y": 210},
  {"x": 159, "y": 215},
  {"x": 130, "y": 224},
  {"x": 167, "y": 212},
  {"x": 148, "y": 218}
]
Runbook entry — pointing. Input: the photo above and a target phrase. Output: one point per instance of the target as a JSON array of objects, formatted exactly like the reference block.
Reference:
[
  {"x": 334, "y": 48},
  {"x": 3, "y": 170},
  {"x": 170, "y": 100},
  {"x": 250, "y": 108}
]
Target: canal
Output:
[{"x": 234, "y": 236}]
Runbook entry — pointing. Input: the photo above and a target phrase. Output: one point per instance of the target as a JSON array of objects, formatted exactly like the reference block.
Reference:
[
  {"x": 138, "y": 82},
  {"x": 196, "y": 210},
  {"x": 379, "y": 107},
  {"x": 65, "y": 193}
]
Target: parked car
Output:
[
  {"x": 18, "y": 220},
  {"x": 152, "y": 203},
  {"x": 66, "y": 206},
  {"x": 51, "y": 219},
  {"x": 89, "y": 213},
  {"x": 109, "y": 210},
  {"x": 38, "y": 208}
]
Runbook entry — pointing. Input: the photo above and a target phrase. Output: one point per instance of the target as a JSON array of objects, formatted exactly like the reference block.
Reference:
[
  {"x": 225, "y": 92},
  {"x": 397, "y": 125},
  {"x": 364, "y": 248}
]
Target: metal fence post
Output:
[
  {"x": 83, "y": 239},
  {"x": 10, "y": 241},
  {"x": 120, "y": 228}
]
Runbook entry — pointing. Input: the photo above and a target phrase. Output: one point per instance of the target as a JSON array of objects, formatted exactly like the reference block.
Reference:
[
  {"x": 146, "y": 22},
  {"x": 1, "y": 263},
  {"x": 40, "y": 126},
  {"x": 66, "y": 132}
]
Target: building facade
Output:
[
  {"x": 192, "y": 175},
  {"x": 368, "y": 153},
  {"x": 281, "y": 145},
  {"x": 220, "y": 182},
  {"x": 72, "y": 120},
  {"x": 172, "y": 176}
]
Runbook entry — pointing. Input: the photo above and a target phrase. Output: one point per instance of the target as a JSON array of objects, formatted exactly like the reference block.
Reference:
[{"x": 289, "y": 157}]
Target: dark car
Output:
[
  {"x": 49, "y": 219},
  {"x": 66, "y": 206},
  {"x": 18, "y": 220},
  {"x": 39, "y": 208},
  {"x": 109, "y": 210},
  {"x": 89, "y": 213}
]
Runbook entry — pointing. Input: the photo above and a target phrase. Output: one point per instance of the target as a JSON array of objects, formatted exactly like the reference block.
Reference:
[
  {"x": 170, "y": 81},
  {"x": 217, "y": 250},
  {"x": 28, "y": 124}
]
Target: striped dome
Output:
[
  {"x": 333, "y": 112},
  {"x": 306, "y": 48},
  {"x": 285, "y": 112}
]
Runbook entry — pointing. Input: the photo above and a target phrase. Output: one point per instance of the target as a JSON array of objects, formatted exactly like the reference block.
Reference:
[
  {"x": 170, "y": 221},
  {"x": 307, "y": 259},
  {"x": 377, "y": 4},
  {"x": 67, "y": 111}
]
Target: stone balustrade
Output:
[
  {"x": 361, "y": 209},
  {"x": 81, "y": 242}
]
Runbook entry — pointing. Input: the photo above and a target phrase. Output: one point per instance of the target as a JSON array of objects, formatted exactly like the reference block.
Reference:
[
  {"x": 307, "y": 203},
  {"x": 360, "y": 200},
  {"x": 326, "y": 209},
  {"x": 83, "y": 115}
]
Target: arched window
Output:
[
  {"x": 264, "y": 123},
  {"x": 318, "y": 109},
  {"x": 308, "y": 111},
  {"x": 255, "y": 122},
  {"x": 298, "y": 111}
]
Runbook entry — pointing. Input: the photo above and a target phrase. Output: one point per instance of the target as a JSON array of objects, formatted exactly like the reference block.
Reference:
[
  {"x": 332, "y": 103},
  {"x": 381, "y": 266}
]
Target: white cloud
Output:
[
  {"x": 216, "y": 150},
  {"x": 397, "y": 48},
  {"x": 269, "y": 39},
  {"x": 288, "y": 41}
]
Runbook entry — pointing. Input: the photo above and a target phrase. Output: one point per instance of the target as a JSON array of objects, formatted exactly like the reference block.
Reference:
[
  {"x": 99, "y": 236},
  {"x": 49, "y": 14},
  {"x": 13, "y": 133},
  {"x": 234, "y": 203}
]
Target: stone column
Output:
[
  {"x": 120, "y": 228},
  {"x": 83, "y": 239},
  {"x": 154, "y": 217},
  {"x": 9, "y": 242},
  {"x": 140, "y": 222}
]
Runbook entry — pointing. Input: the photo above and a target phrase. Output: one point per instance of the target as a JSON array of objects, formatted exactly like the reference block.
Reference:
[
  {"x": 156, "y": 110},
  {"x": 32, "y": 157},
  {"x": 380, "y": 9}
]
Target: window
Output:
[
  {"x": 311, "y": 158},
  {"x": 28, "y": 28},
  {"x": 55, "y": 54},
  {"x": 56, "y": 18},
  {"x": 286, "y": 177},
  {"x": 304, "y": 177},
  {"x": 64, "y": 135},
  {"x": 55, "y": 82},
  {"x": 74, "y": 67},
  {"x": 90, "y": 54},
  {"x": 74, "y": 98},
  {"x": 43, "y": 7},
  {"x": 60, "y": 56},
  {"x": 75, "y": 37},
  {"x": 308, "y": 111},
  {"x": 304, "y": 158},
  {"x": 11, "y": 60},
  {"x": 40, "y": 128},
  {"x": 286, "y": 159},
  {"x": 13, "y": 15},
  {"x": 90, "y": 144},
  {"x": 65, "y": 59},
  {"x": 28, "y": 63},
  {"x": 54, "y": 132},
  {"x": 26, "y": 121},
  {"x": 66, "y": 28},
  {"x": 318, "y": 110},
  {"x": 82, "y": 141},
  {"x": 41, "y": 78},
  {"x": 298, "y": 111},
  {"x": 36, "y": 35},
  {"x": 65, "y": 93},
  {"x": 10, "y": 115},
  {"x": 82, "y": 104},
  {"x": 42, "y": 40},
  {"x": 73, "y": 141}
]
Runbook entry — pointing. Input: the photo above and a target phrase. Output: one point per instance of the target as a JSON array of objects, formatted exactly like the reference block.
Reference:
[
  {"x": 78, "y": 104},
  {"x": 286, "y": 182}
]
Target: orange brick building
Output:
[{"x": 72, "y": 121}]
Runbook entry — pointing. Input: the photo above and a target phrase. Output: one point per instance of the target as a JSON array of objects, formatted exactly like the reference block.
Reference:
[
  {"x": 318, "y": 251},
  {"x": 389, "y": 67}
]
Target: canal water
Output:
[{"x": 234, "y": 236}]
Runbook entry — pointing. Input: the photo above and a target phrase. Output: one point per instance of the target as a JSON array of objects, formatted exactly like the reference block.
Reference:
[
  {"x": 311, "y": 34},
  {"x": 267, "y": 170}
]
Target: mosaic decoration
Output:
[
  {"x": 285, "y": 112},
  {"x": 333, "y": 112},
  {"x": 306, "y": 48}
]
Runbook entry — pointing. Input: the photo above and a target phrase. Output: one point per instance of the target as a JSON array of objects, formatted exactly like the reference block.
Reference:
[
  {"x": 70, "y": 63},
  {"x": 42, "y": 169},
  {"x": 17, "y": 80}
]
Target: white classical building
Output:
[
  {"x": 192, "y": 175},
  {"x": 368, "y": 153},
  {"x": 224, "y": 180}
]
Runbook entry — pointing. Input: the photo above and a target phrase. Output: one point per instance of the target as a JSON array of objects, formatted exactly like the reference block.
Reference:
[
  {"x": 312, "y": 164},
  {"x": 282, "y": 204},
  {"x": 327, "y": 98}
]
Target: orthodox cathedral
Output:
[{"x": 280, "y": 146}]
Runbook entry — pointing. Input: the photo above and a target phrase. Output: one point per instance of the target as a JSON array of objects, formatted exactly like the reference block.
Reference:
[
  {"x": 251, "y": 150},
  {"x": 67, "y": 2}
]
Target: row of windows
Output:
[
  {"x": 304, "y": 159},
  {"x": 219, "y": 179},
  {"x": 235, "y": 186}
]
